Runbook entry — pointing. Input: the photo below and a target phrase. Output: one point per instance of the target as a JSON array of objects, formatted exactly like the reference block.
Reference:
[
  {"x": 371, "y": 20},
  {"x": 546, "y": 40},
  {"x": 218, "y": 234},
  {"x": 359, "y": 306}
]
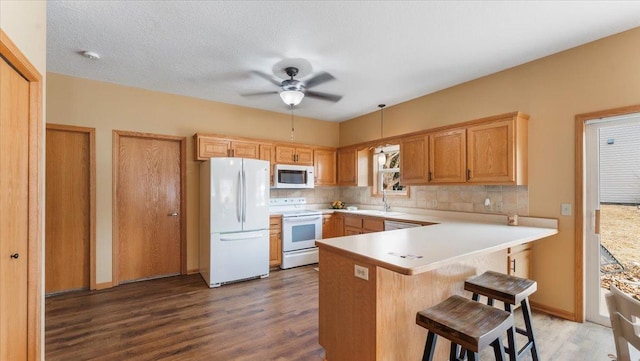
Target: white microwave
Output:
[{"x": 293, "y": 176}]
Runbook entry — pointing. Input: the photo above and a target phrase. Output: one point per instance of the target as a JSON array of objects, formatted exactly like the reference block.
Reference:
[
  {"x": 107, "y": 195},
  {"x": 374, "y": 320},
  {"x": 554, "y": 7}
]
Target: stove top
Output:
[{"x": 291, "y": 207}]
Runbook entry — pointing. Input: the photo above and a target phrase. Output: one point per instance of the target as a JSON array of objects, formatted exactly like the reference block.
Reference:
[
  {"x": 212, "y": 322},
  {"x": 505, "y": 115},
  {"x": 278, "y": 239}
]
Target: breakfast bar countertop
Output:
[{"x": 416, "y": 250}]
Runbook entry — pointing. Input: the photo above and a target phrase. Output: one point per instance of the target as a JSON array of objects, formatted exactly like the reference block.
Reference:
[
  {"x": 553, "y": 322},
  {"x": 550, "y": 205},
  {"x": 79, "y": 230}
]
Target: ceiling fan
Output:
[{"x": 292, "y": 90}]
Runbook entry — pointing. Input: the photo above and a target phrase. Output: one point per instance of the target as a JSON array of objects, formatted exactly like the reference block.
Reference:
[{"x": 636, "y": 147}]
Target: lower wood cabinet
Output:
[
  {"x": 519, "y": 261},
  {"x": 275, "y": 241},
  {"x": 338, "y": 224},
  {"x": 327, "y": 226}
]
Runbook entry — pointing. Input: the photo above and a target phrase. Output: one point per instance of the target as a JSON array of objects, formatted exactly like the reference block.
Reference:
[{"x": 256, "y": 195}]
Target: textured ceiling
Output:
[{"x": 378, "y": 51}]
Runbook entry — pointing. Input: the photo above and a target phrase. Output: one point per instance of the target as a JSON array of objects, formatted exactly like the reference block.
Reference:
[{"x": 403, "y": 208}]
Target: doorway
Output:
[
  {"x": 70, "y": 209},
  {"x": 149, "y": 206},
  {"x": 610, "y": 217}
]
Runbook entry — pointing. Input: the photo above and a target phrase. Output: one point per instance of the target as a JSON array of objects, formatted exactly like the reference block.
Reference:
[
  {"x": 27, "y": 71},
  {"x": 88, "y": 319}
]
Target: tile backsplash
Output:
[{"x": 502, "y": 199}]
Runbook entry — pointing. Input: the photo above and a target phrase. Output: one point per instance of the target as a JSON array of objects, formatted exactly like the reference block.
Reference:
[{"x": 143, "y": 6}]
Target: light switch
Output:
[{"x": 566, "y": 209}]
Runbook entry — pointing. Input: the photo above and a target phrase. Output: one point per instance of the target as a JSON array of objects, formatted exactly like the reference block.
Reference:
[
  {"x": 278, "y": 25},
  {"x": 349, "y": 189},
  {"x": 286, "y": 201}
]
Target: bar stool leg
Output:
[
  {"x": 526, "y": 313},
  {"x": 429, "y": 346},
  {"x": 472, "y": 356},
  {"x": 498, "y": 350},
  {"x": 511, "y": 337}
]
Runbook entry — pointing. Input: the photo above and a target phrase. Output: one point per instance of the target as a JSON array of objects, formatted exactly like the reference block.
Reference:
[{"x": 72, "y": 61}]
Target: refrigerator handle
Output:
[
  {"x": 244, "y": 197},
  {"x": 239, "y": 199}
]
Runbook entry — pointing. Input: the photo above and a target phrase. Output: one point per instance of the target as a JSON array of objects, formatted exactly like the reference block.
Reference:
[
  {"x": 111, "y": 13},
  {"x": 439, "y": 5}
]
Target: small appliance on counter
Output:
[
  {"x": 234, "y": 220},
  {"x": 301, "y": 228}
]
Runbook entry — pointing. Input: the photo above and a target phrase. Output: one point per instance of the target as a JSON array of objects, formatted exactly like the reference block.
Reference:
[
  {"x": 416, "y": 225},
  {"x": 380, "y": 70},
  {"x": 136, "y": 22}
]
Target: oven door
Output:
[{"x": 300, "y": 232}]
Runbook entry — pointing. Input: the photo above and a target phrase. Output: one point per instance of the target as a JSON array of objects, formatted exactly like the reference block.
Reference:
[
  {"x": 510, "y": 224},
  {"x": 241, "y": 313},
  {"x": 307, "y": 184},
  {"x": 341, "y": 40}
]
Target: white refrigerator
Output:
[{"x": 234, "y": 220}]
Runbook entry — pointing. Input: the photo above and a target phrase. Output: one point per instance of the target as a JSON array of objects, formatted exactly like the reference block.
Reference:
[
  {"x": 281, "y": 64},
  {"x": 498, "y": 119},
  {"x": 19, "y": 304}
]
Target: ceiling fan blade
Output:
[
  {"x": 323, "y": 96},
  {"x": 259, "y": 93},
  {"x": 318, "y": 79},
  {"x": 267, "y": 77}
]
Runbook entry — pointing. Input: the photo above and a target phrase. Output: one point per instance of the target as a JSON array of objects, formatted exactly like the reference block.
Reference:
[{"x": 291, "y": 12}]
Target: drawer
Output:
[{"x": 350, "y": 221}]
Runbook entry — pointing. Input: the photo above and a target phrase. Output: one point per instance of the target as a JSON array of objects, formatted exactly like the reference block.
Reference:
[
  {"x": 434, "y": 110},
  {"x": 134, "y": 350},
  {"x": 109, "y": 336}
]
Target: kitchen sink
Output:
[{"x": 371, "y": 212}]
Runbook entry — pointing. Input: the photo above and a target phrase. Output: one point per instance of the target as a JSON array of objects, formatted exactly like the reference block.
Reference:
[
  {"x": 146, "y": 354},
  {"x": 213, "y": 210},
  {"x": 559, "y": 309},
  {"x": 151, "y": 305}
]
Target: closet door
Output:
[{"x": 14, "y": 210}]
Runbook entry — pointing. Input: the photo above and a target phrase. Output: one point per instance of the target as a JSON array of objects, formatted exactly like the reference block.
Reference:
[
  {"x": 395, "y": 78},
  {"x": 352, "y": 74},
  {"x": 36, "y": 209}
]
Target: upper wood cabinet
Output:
[
  {"x": 211, "y": 146},
  {"x": 268, "y": 152},
  {"x": 347, "y": 159},
  {"x": 353, "y": 166},
  {"x": 447, "y": 156},
  {"x": 413, "y": 159},
  {"x": 497, "y": 151},
  {"x": 288, "y": 154},
  {"x": 325, "y": 166}
]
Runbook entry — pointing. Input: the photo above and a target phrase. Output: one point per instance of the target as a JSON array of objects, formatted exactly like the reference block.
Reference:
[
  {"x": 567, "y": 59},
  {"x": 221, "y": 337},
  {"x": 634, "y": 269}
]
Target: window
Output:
[{"x": 386, "y": 173}]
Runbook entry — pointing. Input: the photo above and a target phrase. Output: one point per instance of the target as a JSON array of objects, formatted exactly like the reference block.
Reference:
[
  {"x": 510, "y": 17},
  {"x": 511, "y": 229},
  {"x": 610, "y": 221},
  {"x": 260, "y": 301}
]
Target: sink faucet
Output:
[{"x": 385, "y": 200}]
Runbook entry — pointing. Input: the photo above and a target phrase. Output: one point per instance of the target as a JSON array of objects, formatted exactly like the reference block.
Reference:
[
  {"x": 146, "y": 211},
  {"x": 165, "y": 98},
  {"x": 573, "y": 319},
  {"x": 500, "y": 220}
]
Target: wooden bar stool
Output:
[
  {"x": 511, "y": 291},
  {"x": 467, "y": 323}
]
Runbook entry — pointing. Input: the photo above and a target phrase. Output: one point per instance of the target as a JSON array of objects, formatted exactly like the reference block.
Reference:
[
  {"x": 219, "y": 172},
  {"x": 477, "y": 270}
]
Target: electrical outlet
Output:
[
  {"x": 362, "y": 272},
  {"x": 566, "y": 209}
]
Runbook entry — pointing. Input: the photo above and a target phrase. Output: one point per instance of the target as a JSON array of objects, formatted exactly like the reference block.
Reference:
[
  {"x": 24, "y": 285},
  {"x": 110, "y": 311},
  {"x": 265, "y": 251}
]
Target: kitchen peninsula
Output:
[{"x": 372, "y": 285}]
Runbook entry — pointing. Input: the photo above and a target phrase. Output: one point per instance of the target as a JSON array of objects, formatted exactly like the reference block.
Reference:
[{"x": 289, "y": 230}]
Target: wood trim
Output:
[
  {"x": 91, "y": 132},
  {"x": 579, "y": 241},
  {"x": 538, "y": 307},
  {"x": 14, "y": 57},
  {"x": 183, "y": 198},
  {"x": 103, "y": 285}
]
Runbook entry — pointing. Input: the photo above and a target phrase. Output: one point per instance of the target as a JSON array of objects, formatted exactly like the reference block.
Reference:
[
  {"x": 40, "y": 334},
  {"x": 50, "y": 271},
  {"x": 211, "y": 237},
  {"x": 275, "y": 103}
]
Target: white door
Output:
[
  {"x": 596, "y": 130},
  {"x": 226, "y": 201},
  {"x": 256, "y": 194}
]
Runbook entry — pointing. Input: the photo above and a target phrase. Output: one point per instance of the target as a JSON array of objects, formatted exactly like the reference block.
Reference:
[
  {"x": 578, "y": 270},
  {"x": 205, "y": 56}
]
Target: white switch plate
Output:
[
  {"x": 566, "y": 209},
  {"x": 362, "y": 272}
]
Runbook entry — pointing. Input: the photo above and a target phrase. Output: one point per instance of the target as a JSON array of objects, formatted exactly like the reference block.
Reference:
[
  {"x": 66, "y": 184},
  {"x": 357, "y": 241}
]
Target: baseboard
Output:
[
  {"x": 103, "y": 285},
  {"x": 193, "y": 271},
  {"x": 553, "y": 311}
]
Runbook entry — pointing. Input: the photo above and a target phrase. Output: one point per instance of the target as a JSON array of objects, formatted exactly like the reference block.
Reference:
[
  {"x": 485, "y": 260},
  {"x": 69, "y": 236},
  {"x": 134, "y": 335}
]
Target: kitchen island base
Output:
[{"x": 375, "y": 318}]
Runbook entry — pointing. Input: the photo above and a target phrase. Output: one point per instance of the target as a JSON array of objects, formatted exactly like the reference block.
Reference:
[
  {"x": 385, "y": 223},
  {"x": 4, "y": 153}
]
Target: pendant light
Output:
[{"x": 382, "y": 158}]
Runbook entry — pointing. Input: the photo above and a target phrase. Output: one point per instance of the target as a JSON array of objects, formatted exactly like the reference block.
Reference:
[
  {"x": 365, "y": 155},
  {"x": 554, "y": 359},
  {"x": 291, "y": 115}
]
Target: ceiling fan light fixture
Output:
[{"x": 291, "y": 97}]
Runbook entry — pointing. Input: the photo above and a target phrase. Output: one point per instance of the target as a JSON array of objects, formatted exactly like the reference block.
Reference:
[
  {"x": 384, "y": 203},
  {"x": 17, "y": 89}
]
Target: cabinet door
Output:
[
  {"x": 520, "y": 264},
  {"x": 347, "y": 167},
  {"x": 285, "y": 154},
  {"x": 490, "y": 152},
  {"x": 212, "y": 147},
  {"x": 327, "y": 226},
  {"x": 245, "y": 150},
  {"x": 338, "y": 225},
  {"x": 325, "y": 164},
  {"x": 267, "y": 152},
  {"x": 414, "y": 168},
  {"x": 304, "y": 156},
  {"x": 447, "y": 156},
  {"x": 370, "y": 225},
  {"x": 275, "y": 241}
]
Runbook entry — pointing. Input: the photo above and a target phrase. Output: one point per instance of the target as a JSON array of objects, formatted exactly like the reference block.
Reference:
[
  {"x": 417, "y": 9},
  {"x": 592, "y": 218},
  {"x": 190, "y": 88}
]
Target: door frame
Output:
[
  {"x": 91, "y": 132},
  {"x": 580, "y": 186},
  {"x": 117, "y": 134},
  {"x": 35, "y": 294}
]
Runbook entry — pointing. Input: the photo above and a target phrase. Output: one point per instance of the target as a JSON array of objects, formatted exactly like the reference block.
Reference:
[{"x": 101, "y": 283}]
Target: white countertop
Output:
[{"x": 421, "y": 249}]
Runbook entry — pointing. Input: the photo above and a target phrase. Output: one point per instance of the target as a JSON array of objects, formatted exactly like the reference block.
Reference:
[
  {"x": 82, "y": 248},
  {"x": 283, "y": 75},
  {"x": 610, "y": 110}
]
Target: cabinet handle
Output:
[
  {"x": 468, "y": 174},
  {"x": 429, "y": 176},
  {"x": 513, "y": 267}
]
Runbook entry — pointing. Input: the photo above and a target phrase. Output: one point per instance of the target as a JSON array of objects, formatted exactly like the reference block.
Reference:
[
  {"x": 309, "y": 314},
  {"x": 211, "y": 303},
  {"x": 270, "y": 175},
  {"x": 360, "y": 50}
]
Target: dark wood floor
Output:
[{"x": 179, "y": 318}]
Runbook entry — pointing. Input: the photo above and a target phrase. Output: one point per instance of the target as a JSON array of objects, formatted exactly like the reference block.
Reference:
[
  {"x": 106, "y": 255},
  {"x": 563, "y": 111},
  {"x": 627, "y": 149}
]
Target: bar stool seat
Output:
[
  {"x": 464, "y": 322},
  {"x": 511, "y": 291}
]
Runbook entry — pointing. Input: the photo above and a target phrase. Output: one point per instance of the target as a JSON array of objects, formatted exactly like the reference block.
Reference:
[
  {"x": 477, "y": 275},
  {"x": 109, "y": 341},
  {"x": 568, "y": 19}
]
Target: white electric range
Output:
[{"x": 300, "y": 229}]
